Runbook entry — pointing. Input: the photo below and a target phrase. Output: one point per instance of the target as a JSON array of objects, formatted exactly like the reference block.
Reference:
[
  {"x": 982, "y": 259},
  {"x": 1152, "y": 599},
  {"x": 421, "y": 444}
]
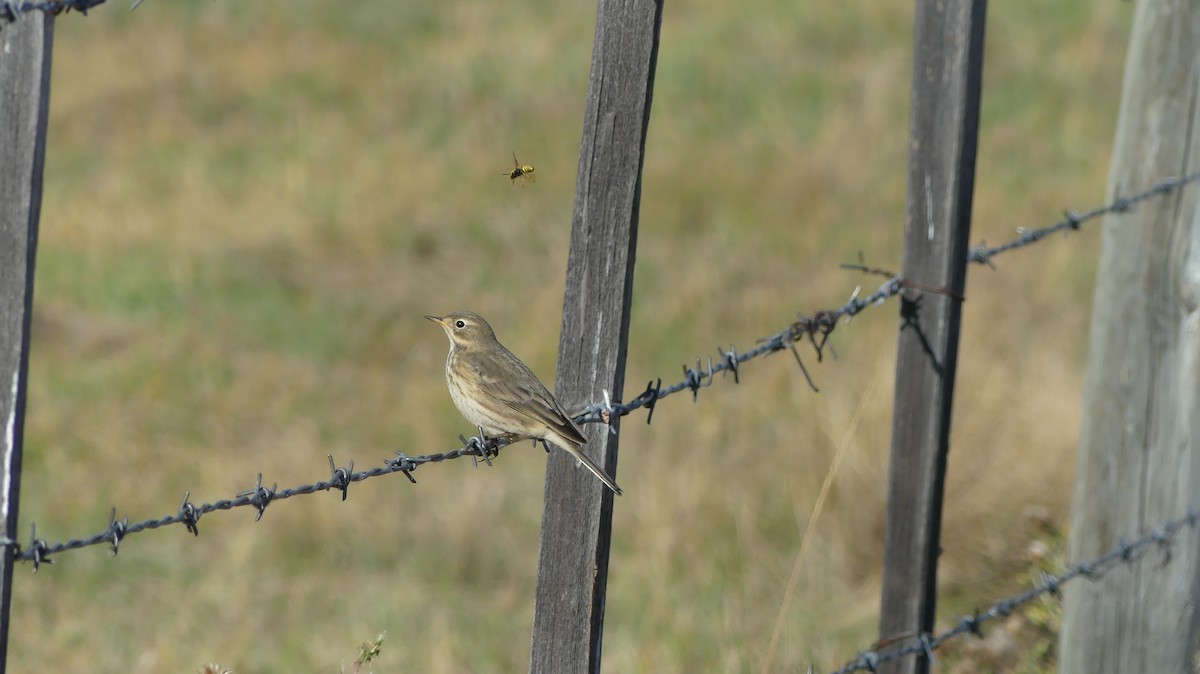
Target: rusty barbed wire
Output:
[
  {"x": 11, "y": 10},
  {"x": 816, "y": 328},
  {"x": 1127, "y": 553}
]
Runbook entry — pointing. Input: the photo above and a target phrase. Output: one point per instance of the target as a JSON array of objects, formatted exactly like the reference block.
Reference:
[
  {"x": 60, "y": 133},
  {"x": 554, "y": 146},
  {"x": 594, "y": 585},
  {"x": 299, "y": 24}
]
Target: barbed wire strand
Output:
[
  {"x": 816, "y": 328},
  {"x": 259, "y": 497},
  {"x": 982, "y": 254},
  {"x": 1126, "y": 553}
]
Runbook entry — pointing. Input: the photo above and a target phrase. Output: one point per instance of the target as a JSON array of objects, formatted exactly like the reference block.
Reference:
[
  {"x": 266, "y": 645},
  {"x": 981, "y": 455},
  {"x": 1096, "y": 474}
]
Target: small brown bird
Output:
[{"x": 498, "y": 393}]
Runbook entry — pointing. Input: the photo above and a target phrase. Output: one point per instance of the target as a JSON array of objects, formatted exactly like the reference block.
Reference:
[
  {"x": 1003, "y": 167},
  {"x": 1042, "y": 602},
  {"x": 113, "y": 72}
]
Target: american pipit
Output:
[{"x": 495, "y": 391}]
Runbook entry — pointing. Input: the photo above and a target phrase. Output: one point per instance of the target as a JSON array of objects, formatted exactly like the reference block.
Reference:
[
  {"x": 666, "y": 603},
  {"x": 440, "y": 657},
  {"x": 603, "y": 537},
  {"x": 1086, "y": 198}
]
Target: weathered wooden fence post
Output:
[
  {"x": 568, "y": 616},
  {"x": 944, "y": 125},
  {"x": 25, "y": 47},
  {"x": 1139, "y": 444}
]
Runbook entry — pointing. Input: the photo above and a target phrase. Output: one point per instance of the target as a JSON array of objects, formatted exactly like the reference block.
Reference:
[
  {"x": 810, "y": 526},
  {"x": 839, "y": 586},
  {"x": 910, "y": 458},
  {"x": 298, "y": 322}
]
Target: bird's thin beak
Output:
[{"x": 437, "y": 319}]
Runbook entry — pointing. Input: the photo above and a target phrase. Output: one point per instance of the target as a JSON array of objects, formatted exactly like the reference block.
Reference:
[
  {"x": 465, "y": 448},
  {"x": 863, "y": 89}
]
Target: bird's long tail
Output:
[{"x": 590, "y": 465}]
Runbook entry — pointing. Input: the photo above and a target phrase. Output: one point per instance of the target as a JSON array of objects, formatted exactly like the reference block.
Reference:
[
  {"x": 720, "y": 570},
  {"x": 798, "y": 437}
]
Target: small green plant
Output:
[
  {"x": 1025, "y": 642},
  {"x": 1043, "y": 620},
  {"x": 368, "y": 651}
]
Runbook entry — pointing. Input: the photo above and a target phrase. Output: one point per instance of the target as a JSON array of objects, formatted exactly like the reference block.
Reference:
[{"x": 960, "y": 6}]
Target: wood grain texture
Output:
[
  {"x": 25, "y": 48},
  {"x": 577, "y": 521},
  {"x": 1139, "y": 446},
  {"x": 947, "y": 68}
]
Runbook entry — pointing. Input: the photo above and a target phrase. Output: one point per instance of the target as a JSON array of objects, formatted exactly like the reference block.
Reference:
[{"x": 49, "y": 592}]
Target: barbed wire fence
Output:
[
  {"x": 1127, "y": 553},
  {"x": 818, "y": 326},
  {"x": 815, "y": 329}
]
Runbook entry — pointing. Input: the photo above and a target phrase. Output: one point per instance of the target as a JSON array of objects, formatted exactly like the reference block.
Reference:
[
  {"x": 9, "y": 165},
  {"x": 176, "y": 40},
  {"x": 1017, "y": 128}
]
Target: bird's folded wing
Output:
[
  {"x": 535, "y": 403},
  {"x": 555, "y": 419}
]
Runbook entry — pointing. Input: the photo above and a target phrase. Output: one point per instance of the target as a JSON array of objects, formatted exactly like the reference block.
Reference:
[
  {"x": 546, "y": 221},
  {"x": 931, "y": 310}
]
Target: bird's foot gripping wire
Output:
[{"x": 484, "y": 447}]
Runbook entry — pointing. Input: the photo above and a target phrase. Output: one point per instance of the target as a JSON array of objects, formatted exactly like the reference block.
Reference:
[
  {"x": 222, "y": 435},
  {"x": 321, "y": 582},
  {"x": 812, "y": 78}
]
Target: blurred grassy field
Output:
[{"x": 249, "y": 206}]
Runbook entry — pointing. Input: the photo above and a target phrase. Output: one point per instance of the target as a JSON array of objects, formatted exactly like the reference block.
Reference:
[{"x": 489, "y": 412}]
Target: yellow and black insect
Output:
[{"x": 519, "y": 171}]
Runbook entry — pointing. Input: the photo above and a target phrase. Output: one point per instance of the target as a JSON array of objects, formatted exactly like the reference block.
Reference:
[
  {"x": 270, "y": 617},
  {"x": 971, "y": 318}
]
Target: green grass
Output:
[{"x": 249, "y": 207}]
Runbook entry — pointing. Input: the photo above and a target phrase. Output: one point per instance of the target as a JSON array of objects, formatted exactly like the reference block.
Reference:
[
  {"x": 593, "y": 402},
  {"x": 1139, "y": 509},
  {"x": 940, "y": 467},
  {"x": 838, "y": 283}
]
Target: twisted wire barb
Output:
[
  {"x": 1126, "y": 553},
  {"x": 816, "y": 328}
]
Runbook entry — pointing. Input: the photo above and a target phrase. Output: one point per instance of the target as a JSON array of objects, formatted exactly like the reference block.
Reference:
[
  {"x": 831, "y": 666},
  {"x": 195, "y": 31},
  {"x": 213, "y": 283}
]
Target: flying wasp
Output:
[{"x": 519, "y": 170}]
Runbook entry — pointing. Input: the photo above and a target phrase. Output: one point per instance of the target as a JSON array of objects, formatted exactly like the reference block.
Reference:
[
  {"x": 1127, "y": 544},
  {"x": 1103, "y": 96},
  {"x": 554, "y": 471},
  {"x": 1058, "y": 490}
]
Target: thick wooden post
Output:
[
  {"x": 947, "y": 67},
  {"x": 25, "y": 47},
  {"x": 568, "y": 616},
  {"x": 1139, "y": 445}
]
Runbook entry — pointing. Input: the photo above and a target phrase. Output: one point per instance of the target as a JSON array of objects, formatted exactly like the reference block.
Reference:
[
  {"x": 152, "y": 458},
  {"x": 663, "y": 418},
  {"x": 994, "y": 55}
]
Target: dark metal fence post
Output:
[
  {"x": 568, "y": 616},
  {"x": 947, "y": 67},
  {"x": 25, "y": 47}
]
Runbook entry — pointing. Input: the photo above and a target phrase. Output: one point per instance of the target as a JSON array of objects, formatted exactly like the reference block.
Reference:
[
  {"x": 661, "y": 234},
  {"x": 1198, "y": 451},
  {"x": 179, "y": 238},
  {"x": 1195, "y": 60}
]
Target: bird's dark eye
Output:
[{"x": 460, "y": 324}]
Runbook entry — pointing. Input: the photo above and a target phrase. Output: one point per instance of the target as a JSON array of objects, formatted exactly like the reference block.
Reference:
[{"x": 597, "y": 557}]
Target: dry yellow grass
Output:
[{"x": 250, "y": 206}]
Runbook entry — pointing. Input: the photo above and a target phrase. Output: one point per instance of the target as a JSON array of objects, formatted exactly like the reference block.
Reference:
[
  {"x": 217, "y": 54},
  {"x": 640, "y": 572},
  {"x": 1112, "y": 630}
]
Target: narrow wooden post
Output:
[
  {"x": 947, "y": 67},
  {"x": 25, "y": 47},
  {"x": 1139, "y": 444},
  {"x": 568, "y": 616}
]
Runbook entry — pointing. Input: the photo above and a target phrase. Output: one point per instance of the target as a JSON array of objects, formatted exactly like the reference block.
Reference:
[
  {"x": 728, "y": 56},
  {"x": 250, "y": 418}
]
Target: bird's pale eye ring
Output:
[{"x": 460, "y": 324}]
